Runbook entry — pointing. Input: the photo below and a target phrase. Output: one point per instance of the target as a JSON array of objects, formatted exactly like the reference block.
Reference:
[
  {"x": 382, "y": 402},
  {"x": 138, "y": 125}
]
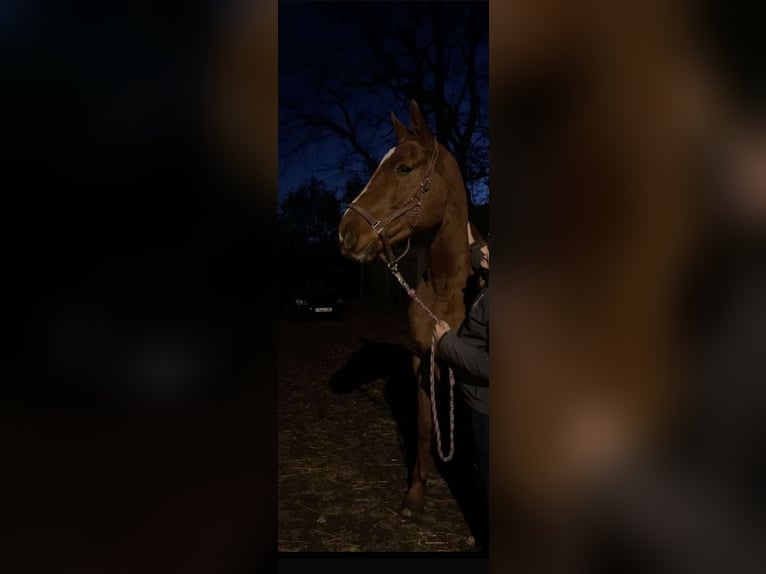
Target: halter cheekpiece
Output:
[{"x": 413, "y": 206}]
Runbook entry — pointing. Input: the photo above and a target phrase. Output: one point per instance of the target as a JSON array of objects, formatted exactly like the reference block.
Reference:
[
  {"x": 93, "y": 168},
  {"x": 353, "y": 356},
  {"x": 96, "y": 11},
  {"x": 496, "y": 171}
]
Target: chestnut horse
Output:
[{"x": 416, "y": 192}]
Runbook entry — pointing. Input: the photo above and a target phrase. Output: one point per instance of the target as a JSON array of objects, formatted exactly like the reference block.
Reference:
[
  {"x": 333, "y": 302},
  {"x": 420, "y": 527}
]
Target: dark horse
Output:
[{"x": 418, "y": 193}]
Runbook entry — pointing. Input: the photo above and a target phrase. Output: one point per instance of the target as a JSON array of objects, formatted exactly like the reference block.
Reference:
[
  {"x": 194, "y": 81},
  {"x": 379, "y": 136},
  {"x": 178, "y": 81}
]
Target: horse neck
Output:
[{"x": 448, "y": 255}]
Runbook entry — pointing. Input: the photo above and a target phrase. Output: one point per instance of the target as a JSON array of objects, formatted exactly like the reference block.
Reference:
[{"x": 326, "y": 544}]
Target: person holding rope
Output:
[{"x": 467, "y": 353}]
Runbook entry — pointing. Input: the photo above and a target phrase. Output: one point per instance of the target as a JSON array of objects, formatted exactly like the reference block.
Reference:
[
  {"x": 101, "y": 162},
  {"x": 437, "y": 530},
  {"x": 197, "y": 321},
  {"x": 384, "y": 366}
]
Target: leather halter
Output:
[{"x": 379, "y": 227}]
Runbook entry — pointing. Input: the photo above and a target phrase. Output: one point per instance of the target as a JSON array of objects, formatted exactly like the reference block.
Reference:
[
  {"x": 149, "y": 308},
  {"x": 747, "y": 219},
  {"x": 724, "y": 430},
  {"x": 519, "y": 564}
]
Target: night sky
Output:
[{"x": 330, "y": 44}]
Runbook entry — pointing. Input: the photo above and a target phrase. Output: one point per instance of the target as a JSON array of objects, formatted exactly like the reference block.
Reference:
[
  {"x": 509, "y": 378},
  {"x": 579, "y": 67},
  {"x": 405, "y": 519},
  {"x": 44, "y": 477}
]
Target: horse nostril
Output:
[{"x": 349, "y": 239}]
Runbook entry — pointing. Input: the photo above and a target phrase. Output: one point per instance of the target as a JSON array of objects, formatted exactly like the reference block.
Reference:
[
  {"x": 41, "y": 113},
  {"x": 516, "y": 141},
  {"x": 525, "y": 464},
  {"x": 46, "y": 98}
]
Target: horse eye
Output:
[{"x": 403, "y": 169}]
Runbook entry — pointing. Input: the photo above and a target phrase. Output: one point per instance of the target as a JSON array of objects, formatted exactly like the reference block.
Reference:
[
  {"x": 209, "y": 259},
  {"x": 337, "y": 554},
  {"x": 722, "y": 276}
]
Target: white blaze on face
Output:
[{"x": 389, "y": 153}]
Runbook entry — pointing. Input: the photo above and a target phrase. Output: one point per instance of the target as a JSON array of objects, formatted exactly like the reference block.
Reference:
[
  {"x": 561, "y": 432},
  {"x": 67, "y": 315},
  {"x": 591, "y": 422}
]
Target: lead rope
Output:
[{"x": 413, "y": 295}]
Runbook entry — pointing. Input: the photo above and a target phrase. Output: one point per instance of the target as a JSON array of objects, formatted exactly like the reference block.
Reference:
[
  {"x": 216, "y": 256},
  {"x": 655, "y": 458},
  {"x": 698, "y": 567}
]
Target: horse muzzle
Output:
[{"x": 362, "y": 250}]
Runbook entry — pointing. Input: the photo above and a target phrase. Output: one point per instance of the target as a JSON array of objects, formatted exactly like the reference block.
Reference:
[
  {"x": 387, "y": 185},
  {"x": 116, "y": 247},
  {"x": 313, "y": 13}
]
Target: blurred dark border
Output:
[
  {"x": 138, "y": 409},
  {"x": 546, "y": 224}
]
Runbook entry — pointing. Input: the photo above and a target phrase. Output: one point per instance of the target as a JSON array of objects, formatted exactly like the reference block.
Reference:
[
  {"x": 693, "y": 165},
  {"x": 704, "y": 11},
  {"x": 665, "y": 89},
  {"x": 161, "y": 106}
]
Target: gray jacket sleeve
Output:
[{"x": 471, "y": 359}]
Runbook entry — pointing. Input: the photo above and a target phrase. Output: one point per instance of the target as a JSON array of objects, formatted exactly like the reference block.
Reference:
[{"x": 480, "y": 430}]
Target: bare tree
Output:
[
  {"x": 310, "y": 210},
  {"x": 342, "y": 76}
]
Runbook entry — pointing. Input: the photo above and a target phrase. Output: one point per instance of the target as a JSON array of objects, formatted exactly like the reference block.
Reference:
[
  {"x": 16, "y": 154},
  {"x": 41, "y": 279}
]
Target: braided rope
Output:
[{"x": 413, "y": 295}]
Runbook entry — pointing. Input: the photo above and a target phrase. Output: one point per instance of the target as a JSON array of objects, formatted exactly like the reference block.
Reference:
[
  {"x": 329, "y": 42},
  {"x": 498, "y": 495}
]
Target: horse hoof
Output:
[
  {"x": 412, "y": 506},
  {"x": 408, "y": 512}
]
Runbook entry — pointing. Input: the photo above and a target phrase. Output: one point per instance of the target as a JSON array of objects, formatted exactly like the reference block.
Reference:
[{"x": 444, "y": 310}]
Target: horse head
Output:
[{"x": 405, "y": 194}]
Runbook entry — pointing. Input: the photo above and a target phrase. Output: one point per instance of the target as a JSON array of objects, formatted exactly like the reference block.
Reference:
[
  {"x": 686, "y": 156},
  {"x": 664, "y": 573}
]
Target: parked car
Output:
[{"x": 316, "y": 298}]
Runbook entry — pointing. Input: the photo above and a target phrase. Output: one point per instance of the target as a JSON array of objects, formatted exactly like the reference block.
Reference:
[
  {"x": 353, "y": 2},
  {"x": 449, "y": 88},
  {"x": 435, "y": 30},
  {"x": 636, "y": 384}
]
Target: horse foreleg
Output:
[{"x": 414, "y": 502}]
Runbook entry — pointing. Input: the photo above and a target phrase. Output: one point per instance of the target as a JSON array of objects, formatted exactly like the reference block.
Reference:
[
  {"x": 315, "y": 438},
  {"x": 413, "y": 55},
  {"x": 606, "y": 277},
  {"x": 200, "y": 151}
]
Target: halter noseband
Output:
[{"x": 379, "y": 227}]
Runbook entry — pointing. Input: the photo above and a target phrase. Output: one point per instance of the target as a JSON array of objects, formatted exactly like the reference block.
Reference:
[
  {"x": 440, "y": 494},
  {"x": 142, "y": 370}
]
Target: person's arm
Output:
[{"x": 472, "y": 359}]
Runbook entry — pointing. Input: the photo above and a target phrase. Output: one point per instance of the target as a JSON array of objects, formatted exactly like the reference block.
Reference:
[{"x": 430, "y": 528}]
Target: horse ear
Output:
[
  {"x": 418, "y": 123},
  {"x": 400, "y": 129}
]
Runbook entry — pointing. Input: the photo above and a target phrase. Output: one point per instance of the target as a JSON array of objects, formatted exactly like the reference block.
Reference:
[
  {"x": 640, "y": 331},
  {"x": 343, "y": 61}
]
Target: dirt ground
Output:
[{"x": 346, "y": 412}]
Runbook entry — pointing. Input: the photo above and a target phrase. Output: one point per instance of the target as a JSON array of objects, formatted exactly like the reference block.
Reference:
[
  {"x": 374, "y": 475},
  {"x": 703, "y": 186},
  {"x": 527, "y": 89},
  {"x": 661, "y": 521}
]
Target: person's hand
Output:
[{"x": 440, "y": 329}]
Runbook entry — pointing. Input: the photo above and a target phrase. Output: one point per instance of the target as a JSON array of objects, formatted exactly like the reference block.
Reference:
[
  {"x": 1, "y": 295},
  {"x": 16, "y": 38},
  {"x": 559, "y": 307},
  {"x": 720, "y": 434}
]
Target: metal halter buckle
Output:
[{"x": 378, "y": 226}]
